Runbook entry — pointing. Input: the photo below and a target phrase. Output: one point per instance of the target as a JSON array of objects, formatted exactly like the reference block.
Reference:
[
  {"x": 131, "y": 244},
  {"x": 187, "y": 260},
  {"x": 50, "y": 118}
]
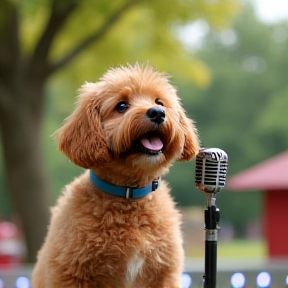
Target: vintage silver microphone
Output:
[{"x": 210, "y": 178}]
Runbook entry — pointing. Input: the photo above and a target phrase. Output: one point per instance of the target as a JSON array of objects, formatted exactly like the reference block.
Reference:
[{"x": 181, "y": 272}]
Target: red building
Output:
[{"x": 270, "y": 176}]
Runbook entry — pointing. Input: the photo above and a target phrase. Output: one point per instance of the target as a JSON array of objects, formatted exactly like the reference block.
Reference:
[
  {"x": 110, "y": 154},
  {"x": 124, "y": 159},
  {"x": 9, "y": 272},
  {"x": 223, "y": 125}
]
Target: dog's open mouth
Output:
[{"x": 150, "y": 144}]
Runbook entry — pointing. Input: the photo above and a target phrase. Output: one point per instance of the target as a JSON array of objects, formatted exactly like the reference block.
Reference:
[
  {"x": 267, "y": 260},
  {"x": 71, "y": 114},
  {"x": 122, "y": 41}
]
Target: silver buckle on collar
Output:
[{"x": 128, "y": 192}]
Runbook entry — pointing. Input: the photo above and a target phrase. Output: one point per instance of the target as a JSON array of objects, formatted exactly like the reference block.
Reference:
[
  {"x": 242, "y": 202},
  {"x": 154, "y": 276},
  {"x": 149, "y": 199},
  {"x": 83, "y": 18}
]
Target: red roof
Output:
[{"x": 269, "y": 175}]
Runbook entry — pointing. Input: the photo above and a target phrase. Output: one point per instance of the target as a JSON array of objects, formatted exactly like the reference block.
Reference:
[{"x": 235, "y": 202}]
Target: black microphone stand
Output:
[
  {"x": 210, "y": 178},
  {"x": 212, "y": 217}
]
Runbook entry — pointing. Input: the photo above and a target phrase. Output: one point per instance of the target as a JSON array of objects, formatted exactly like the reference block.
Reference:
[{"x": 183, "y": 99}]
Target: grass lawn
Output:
[
  {"x": 242, "y": 249},
  {"x": 232, "y": 249}
]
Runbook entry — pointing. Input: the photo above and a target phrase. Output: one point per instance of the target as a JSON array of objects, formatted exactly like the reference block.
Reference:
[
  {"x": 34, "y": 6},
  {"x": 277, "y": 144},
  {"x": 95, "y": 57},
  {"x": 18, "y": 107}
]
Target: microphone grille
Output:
[{"x": 211, "y": 170}]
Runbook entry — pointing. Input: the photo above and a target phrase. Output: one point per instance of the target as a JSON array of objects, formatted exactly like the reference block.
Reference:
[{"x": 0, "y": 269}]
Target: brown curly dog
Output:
[{"x": 116, "y": 225}]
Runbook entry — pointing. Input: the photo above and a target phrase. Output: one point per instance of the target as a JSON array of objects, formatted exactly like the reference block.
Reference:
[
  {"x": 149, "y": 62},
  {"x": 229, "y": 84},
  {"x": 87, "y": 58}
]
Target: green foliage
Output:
[
  {"x": 146, "y": 28},
  {"x": 59, "y": 105},
  {"x": 242, "y": 249},
  {"x": 244, "y": 109}
]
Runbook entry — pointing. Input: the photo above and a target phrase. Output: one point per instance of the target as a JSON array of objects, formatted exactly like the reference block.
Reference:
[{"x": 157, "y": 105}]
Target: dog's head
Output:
[{"x": 131, "y": 116}]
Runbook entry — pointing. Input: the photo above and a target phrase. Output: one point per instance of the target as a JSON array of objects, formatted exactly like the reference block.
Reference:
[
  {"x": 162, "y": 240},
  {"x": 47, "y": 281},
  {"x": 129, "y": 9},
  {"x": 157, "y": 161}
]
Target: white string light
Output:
[
  {"x": 237, "y": 280},
  {"x": 186, "y": 280},
  {"x": 263, "y": 280},
  {"x": 22, "y": 282}
]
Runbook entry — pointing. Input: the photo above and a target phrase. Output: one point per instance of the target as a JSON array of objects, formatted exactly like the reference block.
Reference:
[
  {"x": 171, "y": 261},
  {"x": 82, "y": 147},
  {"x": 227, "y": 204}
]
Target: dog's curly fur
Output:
[{"x": 104, "y": 241}]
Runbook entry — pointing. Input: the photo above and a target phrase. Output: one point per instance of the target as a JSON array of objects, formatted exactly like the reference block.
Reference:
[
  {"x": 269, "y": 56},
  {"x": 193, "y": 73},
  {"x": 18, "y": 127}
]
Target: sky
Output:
[{"x": 271, "y": 10}]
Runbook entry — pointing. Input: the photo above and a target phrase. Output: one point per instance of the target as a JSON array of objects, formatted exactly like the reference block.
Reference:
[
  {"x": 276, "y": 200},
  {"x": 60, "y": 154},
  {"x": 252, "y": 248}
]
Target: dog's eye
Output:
[
  {"x": 121, "y": 107},
  {"x": 159, "y": 102}
]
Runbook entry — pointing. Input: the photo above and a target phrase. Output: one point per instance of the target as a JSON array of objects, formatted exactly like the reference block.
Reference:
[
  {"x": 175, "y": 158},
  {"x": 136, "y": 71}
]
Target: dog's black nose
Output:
[{"x": 156, "y": 115}]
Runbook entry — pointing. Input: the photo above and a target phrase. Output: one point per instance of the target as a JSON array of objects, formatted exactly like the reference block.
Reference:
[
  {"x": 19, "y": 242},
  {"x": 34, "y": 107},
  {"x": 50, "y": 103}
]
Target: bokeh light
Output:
[
  {"x": 237, "y": 280},
  {"x": 22, "y": 282},
  {"x": 186, "y": 280},
  {"x": 263, "y": 280}
]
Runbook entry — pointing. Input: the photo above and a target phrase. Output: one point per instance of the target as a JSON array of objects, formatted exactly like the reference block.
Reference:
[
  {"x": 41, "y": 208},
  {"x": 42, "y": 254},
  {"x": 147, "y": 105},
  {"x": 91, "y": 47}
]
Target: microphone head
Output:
[{"x": 211, "y": 170}]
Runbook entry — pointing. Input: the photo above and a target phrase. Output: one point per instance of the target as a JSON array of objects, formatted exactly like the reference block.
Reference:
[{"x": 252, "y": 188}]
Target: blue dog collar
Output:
[{"x": 126, "y": 192}]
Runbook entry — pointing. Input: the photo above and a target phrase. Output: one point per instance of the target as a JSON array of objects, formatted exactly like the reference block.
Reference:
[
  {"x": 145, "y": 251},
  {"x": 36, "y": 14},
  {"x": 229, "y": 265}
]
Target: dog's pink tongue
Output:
[{"x": 152, "y": 143}]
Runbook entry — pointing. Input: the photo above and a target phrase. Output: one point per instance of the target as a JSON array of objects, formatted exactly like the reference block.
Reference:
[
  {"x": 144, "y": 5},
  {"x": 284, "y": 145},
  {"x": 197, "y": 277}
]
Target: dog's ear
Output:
[
  {"x": 191, "y": 143},
  {"x": 81, "y": 138}
]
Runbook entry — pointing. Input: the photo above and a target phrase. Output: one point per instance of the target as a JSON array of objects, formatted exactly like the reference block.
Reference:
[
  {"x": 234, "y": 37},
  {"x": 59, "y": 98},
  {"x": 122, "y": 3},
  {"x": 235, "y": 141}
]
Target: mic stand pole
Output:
[{"x": 212, "y": 217}]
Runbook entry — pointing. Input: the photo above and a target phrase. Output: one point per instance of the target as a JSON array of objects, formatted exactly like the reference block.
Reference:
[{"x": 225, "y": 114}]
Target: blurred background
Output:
[{"x": 227, "y": 58}]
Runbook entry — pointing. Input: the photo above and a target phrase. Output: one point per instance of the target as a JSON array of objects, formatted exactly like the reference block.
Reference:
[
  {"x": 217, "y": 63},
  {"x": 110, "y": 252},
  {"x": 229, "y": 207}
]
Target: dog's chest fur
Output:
[
  {"x": 134, "y": 268},
  {"x": 115, "y": 240},
  {"x": 131, "y": 228}
]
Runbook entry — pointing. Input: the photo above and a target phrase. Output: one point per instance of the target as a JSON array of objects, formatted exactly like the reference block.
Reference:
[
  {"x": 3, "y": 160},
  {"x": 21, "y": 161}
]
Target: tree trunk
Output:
[
  {"x": 20, "y": 128},
  {"x": 22, "y": 80}
]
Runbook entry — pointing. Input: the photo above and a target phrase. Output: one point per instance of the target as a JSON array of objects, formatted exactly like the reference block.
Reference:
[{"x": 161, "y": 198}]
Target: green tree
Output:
[
  {"x": 243, "y": 111},
  {"x": 40, "y": 37}
]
